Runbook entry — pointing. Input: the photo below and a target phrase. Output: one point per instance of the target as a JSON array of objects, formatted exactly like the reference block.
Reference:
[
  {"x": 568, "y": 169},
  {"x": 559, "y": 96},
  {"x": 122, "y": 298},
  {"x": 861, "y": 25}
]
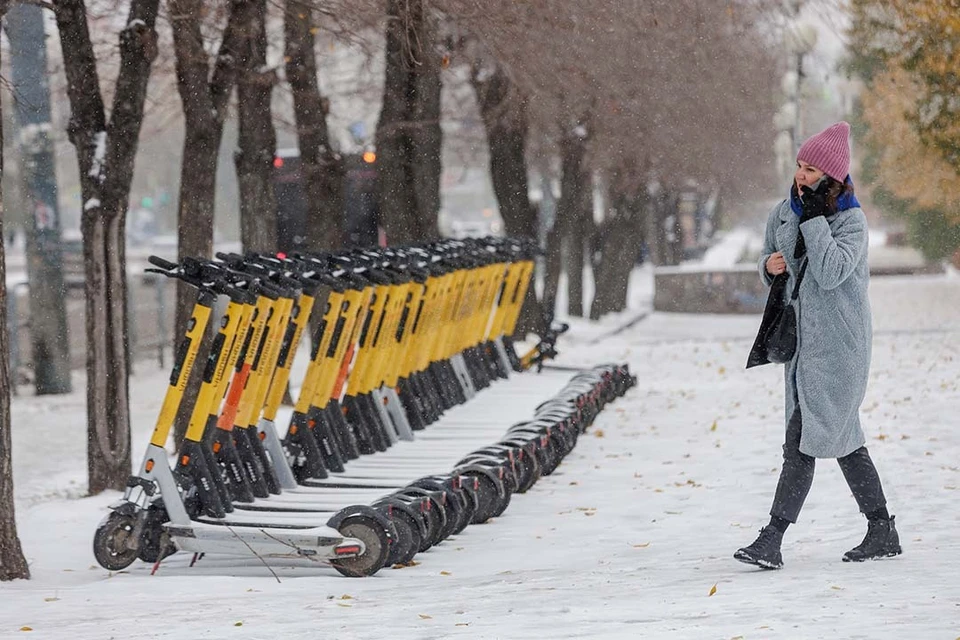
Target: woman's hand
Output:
[
  {"x": 776, "y": 264},
  {"x": 814, "y": 203}
]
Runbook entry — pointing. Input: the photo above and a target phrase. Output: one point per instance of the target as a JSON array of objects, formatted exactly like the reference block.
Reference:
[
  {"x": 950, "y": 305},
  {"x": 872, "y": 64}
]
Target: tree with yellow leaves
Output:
[
  {"x": 908, "y": 54},
  {"x": 903, "y": 163},
  {"x": 929, "y": 37}
]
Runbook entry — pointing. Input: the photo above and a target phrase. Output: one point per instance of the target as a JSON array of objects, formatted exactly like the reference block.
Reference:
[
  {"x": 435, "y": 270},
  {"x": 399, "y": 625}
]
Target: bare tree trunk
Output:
[
  {"x": 426, "y": 136},
  {"x": 257, "y": 142},
  {"x": 48, "y": 317},
  {"x": 408, "y": 132},
  {"x": 504, "y": 116},
  {"x": 552, "y": 270},
  {"x": 321, "y": 170},
  {"x": 618, "y": 243},
  {"x": 574, "y": 211},
  {"x": 12, "y": 563},
  {"x": 575, "y": 259},
  {"x": 205, "y": 108},
  {"x": 105, "y": 154}
]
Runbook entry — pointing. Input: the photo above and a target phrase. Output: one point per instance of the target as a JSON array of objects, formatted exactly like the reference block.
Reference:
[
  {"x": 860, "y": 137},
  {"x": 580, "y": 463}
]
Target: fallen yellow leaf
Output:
[
  {"x": 713, "y": 427},
  {"x": 445, "y": 573},
  {"x": 344, "y": 605},
  {"x": 713, "y": 590},
  {"x": 641, "y": 546},
  {"x": 598, "y": 433},
  {"x": 238, "y": 624},
  {"x": 26, "y": 628},
  {"x": 50, "y": 599},
  {"x": 425, "y": 616},
  {"x": 346, "y": 597}
]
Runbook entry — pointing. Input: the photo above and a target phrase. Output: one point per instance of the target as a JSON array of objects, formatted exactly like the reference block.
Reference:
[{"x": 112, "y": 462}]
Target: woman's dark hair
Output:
[{"x": 835, "y": 189}]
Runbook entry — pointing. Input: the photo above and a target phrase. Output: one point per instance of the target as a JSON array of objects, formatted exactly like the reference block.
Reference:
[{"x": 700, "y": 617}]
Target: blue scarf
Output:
[{"x": 844, "y": 202}]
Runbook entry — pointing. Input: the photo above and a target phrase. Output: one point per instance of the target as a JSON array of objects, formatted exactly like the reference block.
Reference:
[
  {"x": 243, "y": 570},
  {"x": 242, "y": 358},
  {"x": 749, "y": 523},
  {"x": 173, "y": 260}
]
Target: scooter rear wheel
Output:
[
  {"x": 400, "y": 546},
  {"x": 488, "y": 495},
  {"x": 111, "y": 542},
  {"x": 374, "y": 538},
  {"x": 405, "y": 527}
]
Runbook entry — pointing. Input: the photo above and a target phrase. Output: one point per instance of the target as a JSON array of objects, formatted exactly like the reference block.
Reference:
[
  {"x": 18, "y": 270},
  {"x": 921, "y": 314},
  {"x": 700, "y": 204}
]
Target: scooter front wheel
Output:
[
  {"x": 374, "y": 538},
  {"x": 113, "y": 543}
]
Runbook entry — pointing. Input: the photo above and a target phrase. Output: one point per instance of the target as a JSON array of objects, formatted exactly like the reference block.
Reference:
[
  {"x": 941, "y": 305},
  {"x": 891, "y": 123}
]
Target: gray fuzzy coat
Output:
[{"x": 828, "y": 375}]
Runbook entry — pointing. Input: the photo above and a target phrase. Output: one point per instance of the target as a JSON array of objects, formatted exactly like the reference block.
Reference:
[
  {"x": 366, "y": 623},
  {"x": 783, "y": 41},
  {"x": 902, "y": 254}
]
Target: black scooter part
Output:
[
  {"x": 430, "y": 520},
  {"x": 528, "y": 465},
  {"x": 546, "y": 450},
  {"x": 435, "y": 511},
  {"x": 264, "y": 465},
  {"x": 411, "y": 405},
  {"x": 448, "y": 388},
  {"x": 500, "y": 463},
  {"x": 231, "y": 467},
  {"x": 456, "y": 502},
  {"x": 357, "y": 421},
  {"x": 489, "y": 491},
  {"x": 425, "y": 389},
  {"x": 327, "y": 443},
  {"x": 256, "y": 479},
  {"x": 512, "y": 354},
  {"x": 194, "y": 465},
  {"x": 342, "y": 431},
  {"x": 412, "y": 509},
  {"x": 155, "y": 543},
  {"x": 493, "y": 356},
  {"x": 506, "y": 477},
  {"x": 453, "y": 381},
  {"x": 309, "y": 462},
  {"x": 378, "y": 429},
  {"x": 365, "y": 510},
  {"x": 407, "y": 542}
]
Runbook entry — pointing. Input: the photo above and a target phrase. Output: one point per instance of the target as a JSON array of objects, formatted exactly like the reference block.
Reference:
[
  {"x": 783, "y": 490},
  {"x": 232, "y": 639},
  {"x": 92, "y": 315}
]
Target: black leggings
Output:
[{"x": 797, "y": 476}]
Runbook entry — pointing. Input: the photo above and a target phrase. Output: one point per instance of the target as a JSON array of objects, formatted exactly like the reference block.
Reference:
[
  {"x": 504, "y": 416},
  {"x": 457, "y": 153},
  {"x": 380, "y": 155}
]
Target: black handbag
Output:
[{"x": 777, "y": 338}]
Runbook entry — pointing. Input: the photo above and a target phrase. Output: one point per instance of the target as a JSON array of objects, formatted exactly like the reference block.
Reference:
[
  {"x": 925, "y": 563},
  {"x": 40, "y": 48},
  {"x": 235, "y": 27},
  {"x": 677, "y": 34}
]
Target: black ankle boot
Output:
[
  {"x": 765, "y": 550},
  {"x": 881, "y": 541}
]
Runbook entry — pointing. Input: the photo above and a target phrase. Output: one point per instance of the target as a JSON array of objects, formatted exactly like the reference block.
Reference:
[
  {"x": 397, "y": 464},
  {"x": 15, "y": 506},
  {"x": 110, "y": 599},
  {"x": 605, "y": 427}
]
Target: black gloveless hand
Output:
[{"x": 813, "y": 204}]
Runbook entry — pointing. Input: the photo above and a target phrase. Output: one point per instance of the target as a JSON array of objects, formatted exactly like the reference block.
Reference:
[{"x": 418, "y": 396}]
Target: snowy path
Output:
[{"x": 626, "y": 540}]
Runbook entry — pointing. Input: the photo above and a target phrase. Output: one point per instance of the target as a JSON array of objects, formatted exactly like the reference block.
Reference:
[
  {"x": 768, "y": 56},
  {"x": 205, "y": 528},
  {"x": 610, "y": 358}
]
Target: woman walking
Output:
[{"x": 818, "y": 236}]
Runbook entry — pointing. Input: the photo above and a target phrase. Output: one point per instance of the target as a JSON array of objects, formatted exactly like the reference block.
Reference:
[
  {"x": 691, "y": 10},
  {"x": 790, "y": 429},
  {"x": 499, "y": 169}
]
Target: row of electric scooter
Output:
[{"x": 397, "y": 337}]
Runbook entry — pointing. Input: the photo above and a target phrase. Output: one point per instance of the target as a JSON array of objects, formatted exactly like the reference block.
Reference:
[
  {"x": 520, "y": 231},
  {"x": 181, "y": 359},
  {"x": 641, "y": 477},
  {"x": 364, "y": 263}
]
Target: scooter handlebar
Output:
[{"x": 157, "y": 261}]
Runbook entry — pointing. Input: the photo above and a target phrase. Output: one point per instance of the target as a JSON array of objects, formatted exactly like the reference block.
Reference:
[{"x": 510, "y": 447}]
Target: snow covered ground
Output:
[{"x": 632, "y": 537}]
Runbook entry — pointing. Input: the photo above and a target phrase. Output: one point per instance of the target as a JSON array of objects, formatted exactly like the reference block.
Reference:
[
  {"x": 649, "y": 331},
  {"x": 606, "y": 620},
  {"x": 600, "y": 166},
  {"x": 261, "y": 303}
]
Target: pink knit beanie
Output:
[{"x": 829, "y": 151}]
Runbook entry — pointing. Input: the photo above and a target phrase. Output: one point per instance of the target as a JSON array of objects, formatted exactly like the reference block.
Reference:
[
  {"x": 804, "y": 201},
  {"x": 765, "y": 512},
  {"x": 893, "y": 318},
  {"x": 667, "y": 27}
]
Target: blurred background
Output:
[{"x": 641, "y": 143}]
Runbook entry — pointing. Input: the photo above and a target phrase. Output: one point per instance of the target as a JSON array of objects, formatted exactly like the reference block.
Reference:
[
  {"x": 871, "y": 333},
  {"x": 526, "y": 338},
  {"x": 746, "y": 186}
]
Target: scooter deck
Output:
[
  {"x": 240, "y": 518},
  {"x": 318, "y": 542},
  {"x": 322, "y": 501},
  {"x": 447, "y": 441}
]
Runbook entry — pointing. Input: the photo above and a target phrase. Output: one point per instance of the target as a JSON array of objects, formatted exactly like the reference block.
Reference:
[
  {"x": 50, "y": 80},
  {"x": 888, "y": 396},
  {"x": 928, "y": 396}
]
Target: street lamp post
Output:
[{"x": 801, "y": 38}]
